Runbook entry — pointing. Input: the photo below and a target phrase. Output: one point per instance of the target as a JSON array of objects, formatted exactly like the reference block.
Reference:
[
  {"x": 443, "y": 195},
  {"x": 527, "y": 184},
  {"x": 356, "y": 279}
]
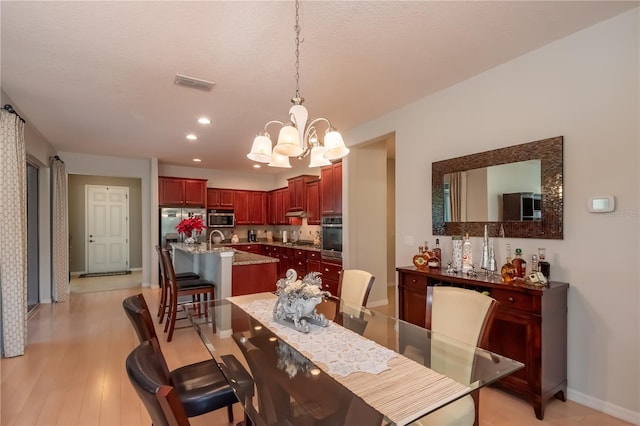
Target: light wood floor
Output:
[{"x": 73, "y": 372}]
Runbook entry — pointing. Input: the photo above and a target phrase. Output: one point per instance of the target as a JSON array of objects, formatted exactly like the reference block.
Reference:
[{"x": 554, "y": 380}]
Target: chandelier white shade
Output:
[
  {"x": 261, "y": 149},
  {"x": 299, "y": 137},
  {"x": 278, "y": 160}
]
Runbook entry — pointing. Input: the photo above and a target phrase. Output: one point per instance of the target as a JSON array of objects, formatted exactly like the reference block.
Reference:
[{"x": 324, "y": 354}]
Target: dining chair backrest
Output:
[
  {"x": 465, "y": 315},
  {"x": 163, "y": 267},
  {"x": 354, "y": 286},
  {"x": 138, "y": 313},
  {"x": 144, "y": 369}
]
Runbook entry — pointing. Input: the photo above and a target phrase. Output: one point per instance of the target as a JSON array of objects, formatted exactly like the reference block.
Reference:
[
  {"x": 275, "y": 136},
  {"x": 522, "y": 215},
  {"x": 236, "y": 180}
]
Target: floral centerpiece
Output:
[
  {"x": 297, "y": 300},
  {"x": 190, "y": 225}
]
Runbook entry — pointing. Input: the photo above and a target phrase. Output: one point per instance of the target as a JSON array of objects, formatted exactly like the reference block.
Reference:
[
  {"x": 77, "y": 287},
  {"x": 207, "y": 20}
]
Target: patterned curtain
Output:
[
  {"x": 13, "y": 228},
  {"x": 60, "y": 251}
]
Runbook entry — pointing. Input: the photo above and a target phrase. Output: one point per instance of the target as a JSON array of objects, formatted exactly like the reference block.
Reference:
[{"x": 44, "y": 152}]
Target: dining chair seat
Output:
[{"x": 202, "y": 388}]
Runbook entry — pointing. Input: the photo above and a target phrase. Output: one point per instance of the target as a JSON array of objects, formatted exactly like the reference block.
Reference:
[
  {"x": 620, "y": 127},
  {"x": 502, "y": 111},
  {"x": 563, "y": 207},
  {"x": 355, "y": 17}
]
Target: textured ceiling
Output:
[{"x": 98, "y": 76}]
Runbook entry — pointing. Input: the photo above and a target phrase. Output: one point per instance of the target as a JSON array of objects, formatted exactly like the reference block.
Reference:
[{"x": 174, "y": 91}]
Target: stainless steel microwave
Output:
[{"x": 221, "y": 219}]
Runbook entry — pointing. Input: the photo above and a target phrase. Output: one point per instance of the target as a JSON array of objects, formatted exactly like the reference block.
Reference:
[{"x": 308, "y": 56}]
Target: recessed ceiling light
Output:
[
  {"x": 192, "y": 137},
  {"x": 197, "y": 160},
  {"x": 204, "y": 120},
  {"x": 256, "y": 166}
]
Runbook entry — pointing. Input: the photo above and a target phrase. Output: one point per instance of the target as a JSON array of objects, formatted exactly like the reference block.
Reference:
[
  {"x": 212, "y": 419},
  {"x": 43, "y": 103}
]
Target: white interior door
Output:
[{"x": 107, "y": 228}]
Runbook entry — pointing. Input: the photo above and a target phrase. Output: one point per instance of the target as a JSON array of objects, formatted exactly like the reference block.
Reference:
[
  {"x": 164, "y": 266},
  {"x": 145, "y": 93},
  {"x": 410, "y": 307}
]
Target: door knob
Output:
[{"x": 91, "y": 241}]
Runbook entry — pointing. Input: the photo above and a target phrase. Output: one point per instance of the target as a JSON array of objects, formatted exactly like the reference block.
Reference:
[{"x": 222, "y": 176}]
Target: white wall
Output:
[
  {"x": 584, "y": 87},
  {"x": 240, "y": 180},
  {"x": 98, "y": 165}
]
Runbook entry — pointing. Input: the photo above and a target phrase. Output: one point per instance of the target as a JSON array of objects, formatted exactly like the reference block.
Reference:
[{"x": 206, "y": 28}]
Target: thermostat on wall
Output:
[{"x": 601, "y": 204}]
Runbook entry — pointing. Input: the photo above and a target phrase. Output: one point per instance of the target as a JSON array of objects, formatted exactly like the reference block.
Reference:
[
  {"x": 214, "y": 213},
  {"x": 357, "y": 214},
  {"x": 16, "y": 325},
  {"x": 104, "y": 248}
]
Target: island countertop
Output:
[
  {"x": 245, "y": 258},
  {"x": 239, "y": 257}
]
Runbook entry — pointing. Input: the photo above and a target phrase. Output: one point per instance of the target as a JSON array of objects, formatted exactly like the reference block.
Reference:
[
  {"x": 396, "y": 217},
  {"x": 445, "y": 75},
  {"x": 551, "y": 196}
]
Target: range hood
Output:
[{"x": 298, "y": 213}]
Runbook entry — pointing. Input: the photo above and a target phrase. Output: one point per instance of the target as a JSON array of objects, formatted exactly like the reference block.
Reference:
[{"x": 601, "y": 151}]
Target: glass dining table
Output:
[{"x": 363, "y": 368}]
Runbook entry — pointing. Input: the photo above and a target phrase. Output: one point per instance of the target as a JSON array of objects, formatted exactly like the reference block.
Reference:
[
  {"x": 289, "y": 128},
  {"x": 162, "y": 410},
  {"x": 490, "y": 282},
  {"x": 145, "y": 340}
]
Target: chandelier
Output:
[{"x": 299, "y": 136}]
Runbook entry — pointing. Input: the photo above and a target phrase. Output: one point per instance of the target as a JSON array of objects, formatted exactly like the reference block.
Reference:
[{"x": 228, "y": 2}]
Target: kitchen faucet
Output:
[{"x": 215, "y": 231}]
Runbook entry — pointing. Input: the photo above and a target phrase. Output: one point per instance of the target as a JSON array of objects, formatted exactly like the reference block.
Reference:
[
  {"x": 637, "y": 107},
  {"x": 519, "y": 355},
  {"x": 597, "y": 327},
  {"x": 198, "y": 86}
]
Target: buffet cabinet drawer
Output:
[
  {"x": 414, "y": 281},
  {"x": 515, "y": 300}
]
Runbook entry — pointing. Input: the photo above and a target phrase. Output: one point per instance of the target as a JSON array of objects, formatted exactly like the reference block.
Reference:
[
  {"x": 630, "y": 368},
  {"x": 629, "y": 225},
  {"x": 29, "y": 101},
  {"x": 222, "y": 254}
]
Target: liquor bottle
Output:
[
  {"x": 467, "y": 255},
  {"x": 520, "y": 264},
  {"x": 437, "y": 251},
  {"x": 543, "y": 265},
  {"x": 420, "y": 260},
  {"x": 508, "y": 271}
]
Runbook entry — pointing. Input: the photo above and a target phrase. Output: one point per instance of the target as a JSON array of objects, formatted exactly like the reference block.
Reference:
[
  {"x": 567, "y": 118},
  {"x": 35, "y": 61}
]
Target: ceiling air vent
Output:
[{"x": 194, "y": 83}]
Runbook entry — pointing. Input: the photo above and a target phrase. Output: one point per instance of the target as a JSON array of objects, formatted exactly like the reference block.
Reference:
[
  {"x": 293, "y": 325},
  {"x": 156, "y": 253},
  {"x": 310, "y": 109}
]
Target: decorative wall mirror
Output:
[{"x": 518, "y": 188}]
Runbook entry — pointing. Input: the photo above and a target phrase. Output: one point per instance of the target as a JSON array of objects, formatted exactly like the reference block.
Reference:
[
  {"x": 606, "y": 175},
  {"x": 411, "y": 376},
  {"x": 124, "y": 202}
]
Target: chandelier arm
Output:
[
  {"x": 310, "y": 125},
  {"x": 272, "y": 122}
]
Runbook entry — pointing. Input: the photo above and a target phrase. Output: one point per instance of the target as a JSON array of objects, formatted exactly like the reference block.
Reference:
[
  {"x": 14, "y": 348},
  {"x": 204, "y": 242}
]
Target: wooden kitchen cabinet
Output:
[
  {"x": 313, "y": 202},
  {"x": 278, "y": 206},
  {"x": 530, "y": 326},
  {"x": 241, "y": 207},
  {"x": 218, "y": 198},
  {"x": 250, "y": 207},
  {"x": 182, "y": 192},
  {"x": 331, "y": 189},
  {"x": 257, "y": 208},
  {"x": 330, "y": 269},
  {"x": 297, "y": 192}
]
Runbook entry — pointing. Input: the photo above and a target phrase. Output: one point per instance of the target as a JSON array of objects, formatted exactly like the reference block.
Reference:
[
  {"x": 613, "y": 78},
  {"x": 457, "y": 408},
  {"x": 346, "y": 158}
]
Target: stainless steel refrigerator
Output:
[{"x": 170, "y": 217}]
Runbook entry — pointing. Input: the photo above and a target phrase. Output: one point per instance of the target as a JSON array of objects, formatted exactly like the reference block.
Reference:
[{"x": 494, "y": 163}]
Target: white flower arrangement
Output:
[
  {"x": 297, "y": 300},
  {"x": 308, "y": 288}
]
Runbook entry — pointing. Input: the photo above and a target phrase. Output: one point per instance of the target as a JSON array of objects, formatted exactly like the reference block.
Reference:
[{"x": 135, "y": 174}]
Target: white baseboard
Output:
[
  {"x": 376, "y": 303},
  {"x": 604, "y": 406}
]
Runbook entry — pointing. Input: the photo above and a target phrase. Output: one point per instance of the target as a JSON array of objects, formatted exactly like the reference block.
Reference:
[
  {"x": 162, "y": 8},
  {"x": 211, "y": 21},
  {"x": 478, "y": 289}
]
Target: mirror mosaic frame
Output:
[{"x": 549, "y": 151}]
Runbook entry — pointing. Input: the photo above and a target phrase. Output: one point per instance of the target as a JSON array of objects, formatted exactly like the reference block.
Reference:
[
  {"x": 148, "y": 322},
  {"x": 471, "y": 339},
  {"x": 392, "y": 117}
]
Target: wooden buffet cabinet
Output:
[{"x": 530, "y": 326}]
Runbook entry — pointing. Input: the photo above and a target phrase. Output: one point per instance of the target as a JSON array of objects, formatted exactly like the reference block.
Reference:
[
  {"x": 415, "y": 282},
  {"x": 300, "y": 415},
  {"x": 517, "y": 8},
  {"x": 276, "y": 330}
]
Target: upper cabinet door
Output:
[
  {"x": 331, "y": 189},
  {"x": 241, "y": 208},
  {"x": 313, "y": 202},
  {"x": 170, "y": 192},
  {"x": 220, "y": 198},
  {"x": 182, "y": 192},
  {"x": 195, "y": 193},
  {"x": 297, "y": 192}
]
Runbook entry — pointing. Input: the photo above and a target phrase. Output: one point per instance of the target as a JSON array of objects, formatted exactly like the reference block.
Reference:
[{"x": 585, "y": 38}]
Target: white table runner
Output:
[{"x": 396, "y": 386}]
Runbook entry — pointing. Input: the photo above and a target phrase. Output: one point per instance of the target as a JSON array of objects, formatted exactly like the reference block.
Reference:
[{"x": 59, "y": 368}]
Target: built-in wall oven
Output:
[{"x": 331, "y": 237}]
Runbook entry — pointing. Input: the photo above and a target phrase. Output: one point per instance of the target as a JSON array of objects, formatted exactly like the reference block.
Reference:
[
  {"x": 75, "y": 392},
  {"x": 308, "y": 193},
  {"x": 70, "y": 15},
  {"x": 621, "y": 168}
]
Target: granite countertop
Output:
[
  {"x": 245, "y": 258},
  {"x": 200, "y": 249},
  {"x": 302, "y": 244}
]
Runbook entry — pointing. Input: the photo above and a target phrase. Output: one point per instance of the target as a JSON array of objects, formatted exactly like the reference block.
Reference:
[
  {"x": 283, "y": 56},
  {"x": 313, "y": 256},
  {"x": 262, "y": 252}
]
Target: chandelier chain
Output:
[{"x": 297, "y": 30}]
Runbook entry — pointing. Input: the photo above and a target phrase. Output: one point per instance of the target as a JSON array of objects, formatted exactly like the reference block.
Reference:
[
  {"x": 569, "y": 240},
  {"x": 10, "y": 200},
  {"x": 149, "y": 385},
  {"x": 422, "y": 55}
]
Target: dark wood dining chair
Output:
[
  {"x": 200, "y": 387},
  {"x": 164, "y": 285},
  {"x": 201, "y": 288}
]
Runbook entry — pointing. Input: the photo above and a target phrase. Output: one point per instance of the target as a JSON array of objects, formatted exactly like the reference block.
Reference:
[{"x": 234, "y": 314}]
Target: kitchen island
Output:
[{"x": 235, "y": 272}]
